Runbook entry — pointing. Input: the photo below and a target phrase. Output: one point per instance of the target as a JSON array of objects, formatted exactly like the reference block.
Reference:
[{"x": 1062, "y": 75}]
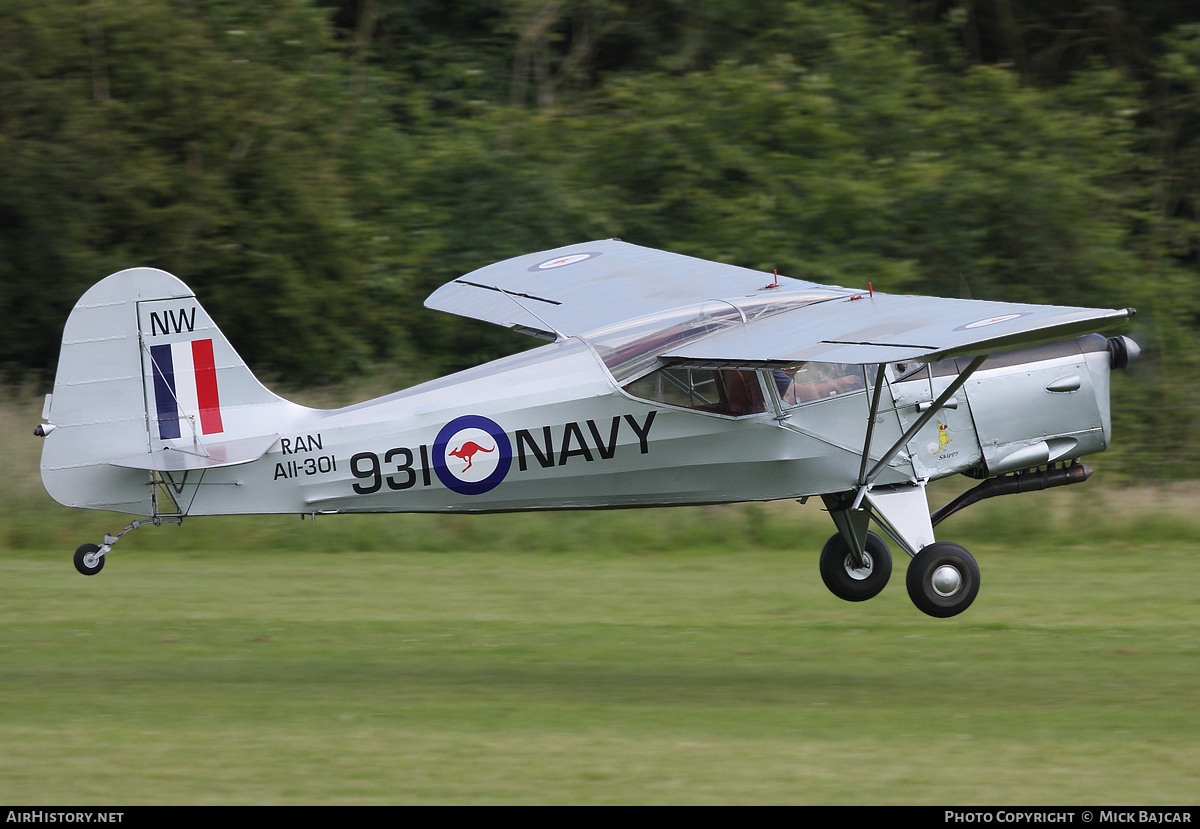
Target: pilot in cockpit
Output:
[{"x": 806, "y": 382}]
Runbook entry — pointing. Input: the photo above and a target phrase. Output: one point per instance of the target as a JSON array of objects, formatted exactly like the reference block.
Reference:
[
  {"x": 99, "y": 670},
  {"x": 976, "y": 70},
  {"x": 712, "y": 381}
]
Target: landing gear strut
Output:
[
  {"x": 89, "y": 558},
  {"x": 942, "y": 579}
]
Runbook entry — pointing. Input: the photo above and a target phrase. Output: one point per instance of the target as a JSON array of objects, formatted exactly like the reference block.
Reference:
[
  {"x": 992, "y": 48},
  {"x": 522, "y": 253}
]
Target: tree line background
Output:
[{"x": 314, "y": 168}]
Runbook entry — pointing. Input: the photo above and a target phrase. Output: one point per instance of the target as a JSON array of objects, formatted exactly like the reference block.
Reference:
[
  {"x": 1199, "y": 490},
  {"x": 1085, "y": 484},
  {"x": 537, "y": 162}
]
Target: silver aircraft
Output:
[{"x": 667, "y": 380}]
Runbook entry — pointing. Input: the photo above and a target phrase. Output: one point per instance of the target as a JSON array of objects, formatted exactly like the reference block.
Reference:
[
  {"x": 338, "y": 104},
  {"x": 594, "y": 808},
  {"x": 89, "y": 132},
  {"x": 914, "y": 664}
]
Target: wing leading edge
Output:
[{"x": 887, "y": 328}]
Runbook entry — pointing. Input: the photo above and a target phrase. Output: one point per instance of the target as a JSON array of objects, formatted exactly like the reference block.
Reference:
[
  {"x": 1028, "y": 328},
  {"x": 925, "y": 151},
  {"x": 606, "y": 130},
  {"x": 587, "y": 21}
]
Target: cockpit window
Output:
[
  {"x": 720, "y": 391},
  {"x": 806, "y": 382}
]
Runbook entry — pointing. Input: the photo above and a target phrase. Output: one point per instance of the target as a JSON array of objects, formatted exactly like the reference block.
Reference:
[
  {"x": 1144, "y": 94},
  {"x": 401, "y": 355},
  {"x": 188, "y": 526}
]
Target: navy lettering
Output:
[
  {"x": 643, "y": 431},
  {"x": 544, "y": 454},
  {"x": 572, "y": 428},
  {"x": 398, "y": 467},
  {"x": 606, "y": 450}
]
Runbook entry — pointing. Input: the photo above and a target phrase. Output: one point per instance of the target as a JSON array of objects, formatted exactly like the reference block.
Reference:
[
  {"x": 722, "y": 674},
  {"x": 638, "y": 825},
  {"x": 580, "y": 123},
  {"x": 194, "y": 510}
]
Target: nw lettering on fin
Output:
[{"x": 173, "y": 322}]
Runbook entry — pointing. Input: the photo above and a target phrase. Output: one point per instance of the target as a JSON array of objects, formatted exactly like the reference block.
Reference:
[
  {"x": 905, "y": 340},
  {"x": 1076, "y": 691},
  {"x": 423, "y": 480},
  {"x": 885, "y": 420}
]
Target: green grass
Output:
[
  {"x": 610, "y": 677},
  {"x": 682, "y": 656}
]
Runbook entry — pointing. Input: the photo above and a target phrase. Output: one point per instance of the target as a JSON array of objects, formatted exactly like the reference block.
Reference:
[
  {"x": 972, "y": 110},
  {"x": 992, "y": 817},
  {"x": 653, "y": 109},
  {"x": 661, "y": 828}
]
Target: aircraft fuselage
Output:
[{"x": 550, "y": 429}]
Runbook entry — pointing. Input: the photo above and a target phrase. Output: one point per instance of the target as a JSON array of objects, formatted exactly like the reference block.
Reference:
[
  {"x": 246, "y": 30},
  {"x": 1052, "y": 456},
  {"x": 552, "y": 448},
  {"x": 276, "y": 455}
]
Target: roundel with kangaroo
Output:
[{"x": 472, "y": 455}]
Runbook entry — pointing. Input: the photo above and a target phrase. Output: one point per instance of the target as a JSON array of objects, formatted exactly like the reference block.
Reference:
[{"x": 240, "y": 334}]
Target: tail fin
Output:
[{"x": 146, "y": 384}]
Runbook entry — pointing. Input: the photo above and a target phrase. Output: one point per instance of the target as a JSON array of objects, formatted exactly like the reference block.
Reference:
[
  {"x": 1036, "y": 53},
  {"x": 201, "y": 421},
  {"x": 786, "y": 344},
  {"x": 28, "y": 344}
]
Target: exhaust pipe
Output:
[{"x": 1029, "y": 480}]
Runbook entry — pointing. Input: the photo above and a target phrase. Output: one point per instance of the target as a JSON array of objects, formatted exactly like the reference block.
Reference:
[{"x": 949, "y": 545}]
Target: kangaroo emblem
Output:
[
  {"x": 468, "y": 451},
  {"x": 943, "y": 436}
]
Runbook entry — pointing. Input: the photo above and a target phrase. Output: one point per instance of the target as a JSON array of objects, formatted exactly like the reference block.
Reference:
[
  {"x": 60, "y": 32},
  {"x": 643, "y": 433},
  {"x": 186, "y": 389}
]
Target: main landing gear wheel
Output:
[
  {"x": 943, "y": 579},
  {"x": 88, "y": 561},
  {"x": 855, "y": 584}
]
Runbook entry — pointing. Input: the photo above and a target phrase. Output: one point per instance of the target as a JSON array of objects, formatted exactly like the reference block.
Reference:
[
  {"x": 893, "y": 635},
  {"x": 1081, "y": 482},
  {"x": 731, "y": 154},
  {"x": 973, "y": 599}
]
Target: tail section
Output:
[{"x": 147, "y": 386}]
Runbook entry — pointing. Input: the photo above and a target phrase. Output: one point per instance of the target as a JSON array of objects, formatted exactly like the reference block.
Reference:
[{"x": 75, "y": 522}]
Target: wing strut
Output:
[
  {"x": 866, "y": 453},
  {"x": 928, "y": 415},
  {"x": 558, "y": 334},
  {"x": 902, "y": 511}
]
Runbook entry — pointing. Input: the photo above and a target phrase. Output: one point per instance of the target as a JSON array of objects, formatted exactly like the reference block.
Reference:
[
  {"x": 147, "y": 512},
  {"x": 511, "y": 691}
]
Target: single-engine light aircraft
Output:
[{"x": 667, "y": 380}]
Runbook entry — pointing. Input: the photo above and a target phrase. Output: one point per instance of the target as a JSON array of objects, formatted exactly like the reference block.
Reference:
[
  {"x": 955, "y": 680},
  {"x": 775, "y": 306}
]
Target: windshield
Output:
[{"x": 630, "y": 348}]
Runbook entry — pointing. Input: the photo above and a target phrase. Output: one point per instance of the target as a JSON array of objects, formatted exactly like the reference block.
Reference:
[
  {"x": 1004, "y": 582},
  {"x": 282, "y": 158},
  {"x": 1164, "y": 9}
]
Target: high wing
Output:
[{"x": 579, "y": 289}]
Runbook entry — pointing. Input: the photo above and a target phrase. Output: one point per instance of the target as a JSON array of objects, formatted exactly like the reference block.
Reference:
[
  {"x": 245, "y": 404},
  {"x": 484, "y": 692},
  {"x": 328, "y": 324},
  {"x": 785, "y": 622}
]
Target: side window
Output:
[
  {"x": 806, "y": 382},
  {"x": 724, "y": 391}
]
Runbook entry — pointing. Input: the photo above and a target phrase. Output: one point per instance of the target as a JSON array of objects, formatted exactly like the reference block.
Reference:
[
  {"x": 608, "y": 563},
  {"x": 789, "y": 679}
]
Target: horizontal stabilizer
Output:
[{"x": 209, "y": 456}]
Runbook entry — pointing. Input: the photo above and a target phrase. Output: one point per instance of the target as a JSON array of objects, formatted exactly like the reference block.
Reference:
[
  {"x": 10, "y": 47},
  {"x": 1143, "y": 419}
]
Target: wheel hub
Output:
[
  {"x": 946, "y": 581},
  {"x": 859, "y": 573}
]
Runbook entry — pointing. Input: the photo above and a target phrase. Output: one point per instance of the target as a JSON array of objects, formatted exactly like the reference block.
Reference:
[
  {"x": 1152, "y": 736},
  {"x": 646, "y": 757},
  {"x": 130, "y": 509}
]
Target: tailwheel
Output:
[
  {"x": 852, "y": 583},
  {"x": 89, "y": 560},
  {"x": 943, "y": 579}
]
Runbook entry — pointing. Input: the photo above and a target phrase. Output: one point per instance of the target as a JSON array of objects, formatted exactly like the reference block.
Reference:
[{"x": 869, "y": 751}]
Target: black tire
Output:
[
  {"x": 943, "y": 579},
  {"x": 84, "y": 555},
  {"x": 845, "y": 582}
]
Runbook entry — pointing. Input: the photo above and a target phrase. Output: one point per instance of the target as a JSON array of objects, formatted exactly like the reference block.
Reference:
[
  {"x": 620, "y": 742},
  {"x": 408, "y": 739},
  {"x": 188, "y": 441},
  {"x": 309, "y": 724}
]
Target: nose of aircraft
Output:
[{"x": 1122, "y": 352}]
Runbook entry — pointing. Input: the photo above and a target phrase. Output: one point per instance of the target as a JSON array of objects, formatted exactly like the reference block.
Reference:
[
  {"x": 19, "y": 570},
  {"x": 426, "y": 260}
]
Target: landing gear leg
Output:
[
  {"x": 943, "y": 578},
  {"x": 89, "y": 558}
]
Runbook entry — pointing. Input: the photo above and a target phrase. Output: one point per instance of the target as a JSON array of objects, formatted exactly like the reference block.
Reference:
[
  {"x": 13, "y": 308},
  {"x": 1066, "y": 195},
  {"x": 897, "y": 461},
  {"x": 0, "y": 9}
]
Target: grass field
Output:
[{"x": 683, "y": 656}]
